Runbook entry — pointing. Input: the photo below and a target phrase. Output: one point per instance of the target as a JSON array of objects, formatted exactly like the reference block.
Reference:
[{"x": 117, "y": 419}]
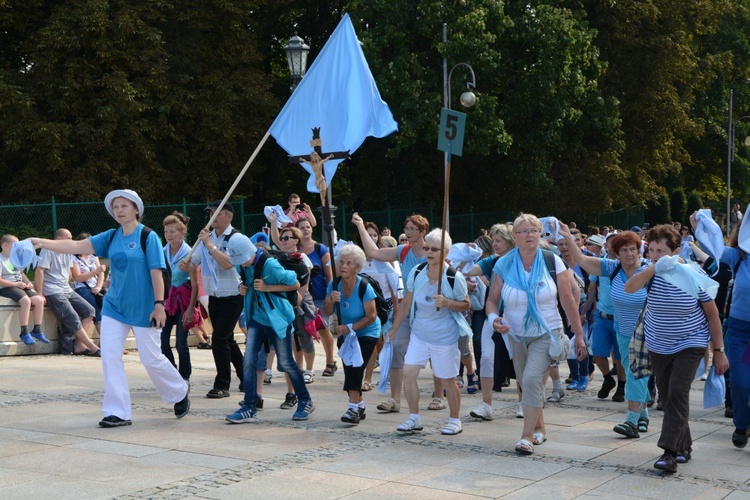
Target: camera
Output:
[
  {"x": 302, "y": 206},
  {"x": 316, "y": 270}
]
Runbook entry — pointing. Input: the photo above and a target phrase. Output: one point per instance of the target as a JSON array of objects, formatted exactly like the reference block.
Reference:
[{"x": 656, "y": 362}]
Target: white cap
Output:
[
  {"x": 128, "y": 194},
  {"x": 240, "y": 249}
]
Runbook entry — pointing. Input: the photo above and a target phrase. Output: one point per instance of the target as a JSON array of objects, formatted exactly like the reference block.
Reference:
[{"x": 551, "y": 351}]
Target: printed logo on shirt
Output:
[
  {"x": 131, "y": 245},
  {"x": 119, "y": 261}
]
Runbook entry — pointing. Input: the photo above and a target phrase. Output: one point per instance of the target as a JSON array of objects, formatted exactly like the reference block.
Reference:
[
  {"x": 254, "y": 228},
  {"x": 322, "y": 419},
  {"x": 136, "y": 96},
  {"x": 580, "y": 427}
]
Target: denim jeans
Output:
[
  {"x": 477, "y": 322},
  {"x": 736, "y": 341},
  {"x": 256, "y": 336},
  {"x": 181, "y": 343}
]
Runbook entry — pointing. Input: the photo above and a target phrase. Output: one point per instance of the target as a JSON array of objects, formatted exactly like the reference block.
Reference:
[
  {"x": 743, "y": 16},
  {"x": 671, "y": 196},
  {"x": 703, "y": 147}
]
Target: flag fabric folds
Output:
[{"x": 339, "y": 95}]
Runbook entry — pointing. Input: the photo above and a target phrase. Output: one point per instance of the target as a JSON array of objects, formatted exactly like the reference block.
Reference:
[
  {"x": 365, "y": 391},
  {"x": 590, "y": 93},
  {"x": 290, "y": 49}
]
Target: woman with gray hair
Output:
[
  {"x": 436, "y": 324},
  {"x": 359, "y": 315}
]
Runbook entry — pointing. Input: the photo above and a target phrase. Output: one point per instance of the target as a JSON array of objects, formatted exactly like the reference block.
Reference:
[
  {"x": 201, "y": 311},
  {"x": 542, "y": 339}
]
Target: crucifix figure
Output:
[{"x": 316, "y": 159}]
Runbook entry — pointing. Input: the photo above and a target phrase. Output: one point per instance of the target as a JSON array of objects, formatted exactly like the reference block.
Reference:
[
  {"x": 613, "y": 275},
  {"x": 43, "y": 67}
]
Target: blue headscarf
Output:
[{"x": 510, "y": 268}]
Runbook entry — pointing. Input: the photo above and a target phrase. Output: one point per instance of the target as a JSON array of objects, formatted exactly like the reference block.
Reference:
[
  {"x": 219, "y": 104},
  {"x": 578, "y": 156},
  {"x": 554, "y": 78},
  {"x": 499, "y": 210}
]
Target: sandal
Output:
[
  {"x": 436, "y": 404},
  {"x": 627, "y": 429},
  {"x": 523, "y": 447},
  {"x": 330, "y": 369},
  {"x": 366, "y": 387},
  {"x": 309, "y": 378},
  {"x": 739, "y": 439},
  {"x": 643, "y": 424},
  {"x": 390, "y": 406},
  {"x": 204, "y": 345},
  {"x": 539, "y": 438},
  {"x": 473, "y": 386}
]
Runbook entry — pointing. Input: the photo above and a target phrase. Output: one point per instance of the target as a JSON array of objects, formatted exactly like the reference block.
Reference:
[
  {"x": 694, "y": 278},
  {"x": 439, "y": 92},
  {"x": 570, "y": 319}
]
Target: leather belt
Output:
[{"x": 606, "y": 316}]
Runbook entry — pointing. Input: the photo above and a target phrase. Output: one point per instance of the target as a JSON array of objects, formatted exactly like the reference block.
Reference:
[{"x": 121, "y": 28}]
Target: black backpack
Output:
[
  {"x": 290, "y": 262},
  {"x": 166, "y": 271},
  {"x": 381, "y": 305}
]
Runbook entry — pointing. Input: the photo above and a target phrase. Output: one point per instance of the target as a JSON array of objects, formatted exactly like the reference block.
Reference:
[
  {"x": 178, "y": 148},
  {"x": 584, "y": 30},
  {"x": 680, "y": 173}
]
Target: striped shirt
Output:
[
  {"x": 675, "y": 321},
  {"x": 627, "y": 306}
]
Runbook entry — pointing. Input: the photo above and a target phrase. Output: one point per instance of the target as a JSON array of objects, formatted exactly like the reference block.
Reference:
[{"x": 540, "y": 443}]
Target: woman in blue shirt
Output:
[
  {"x": 135, "y": 300},
  {"x": 358, "y": 315}
]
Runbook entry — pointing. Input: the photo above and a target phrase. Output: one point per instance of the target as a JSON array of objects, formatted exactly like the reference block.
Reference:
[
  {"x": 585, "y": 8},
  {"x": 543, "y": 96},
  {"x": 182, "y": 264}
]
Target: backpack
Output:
[
  {"x": 381, "y": 305},
  {"x": 166, "y": 271},
  {"x": 451, "y": 274},
  {"x": 290, "y": 262},
  {"x": 404, "y": 253}
]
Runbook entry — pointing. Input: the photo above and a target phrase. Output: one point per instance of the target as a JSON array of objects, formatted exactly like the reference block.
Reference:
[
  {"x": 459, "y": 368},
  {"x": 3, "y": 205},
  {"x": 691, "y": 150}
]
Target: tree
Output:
[
  {"x": 658, "y": 211},
  {"x": 678, "y": 205},
  {"x": 694, "y": 202}
]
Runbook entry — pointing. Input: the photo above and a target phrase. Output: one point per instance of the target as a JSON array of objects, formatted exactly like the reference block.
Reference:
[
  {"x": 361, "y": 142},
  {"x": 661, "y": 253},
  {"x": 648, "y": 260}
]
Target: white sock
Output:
[
  {"x": 361, "y": 405},
  {"x": 308, "y": 372},
  {"x": 415, "y": 417},
  {"x": 454, "y": 421},
  {"x": 352, "y": 406}
]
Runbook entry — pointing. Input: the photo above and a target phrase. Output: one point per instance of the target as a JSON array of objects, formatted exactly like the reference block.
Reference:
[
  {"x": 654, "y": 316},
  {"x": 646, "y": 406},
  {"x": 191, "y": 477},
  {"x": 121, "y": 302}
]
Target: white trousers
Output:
[{"x": 165, "y": 377}]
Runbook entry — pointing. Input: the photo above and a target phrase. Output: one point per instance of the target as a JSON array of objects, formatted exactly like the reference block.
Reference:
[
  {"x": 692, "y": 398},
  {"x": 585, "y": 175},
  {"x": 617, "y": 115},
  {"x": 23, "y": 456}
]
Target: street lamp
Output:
[
  {"x": 731, "y": 129},
  {"x": 296, "y": 56},
  {"x": 467, "y": 99}
]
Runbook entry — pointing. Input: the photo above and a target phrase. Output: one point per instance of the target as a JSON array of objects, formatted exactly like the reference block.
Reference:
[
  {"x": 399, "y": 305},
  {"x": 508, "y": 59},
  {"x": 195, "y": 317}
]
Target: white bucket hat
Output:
[{"x": 128, "y": 194}]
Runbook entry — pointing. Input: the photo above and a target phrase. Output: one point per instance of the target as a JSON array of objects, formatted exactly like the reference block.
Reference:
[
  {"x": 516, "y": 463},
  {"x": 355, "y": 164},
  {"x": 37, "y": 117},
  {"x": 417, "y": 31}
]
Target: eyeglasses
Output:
[
  {"x": 525, "y": 232},
  {"x": 408, "y": 229},
  {"x": 402, "y": 240},
  {"x": 287, "y": 238},
  {"x": 431, "y": 249}
]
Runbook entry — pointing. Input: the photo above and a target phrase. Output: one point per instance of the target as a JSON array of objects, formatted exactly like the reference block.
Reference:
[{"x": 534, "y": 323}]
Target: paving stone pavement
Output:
[{"x": 51, "y": 445}]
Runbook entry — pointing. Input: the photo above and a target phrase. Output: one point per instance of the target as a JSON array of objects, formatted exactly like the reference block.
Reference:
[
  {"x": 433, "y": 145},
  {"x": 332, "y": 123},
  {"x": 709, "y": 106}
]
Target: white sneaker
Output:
[
  {"x": 483, "y": 411},
  {"x": 519, "y": 410}
]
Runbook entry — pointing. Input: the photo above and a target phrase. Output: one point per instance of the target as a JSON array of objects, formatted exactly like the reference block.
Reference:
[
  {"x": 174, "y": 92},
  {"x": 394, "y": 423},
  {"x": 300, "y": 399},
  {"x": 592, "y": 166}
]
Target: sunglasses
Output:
[
  {"x": 287, "y": 238},
  {"x": 431, "y": 249}
]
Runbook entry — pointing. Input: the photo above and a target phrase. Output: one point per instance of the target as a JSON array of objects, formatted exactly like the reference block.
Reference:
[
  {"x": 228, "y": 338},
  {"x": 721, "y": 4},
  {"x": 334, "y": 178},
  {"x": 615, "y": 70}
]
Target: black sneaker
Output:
[
  {"x": 114, "y": 421},
  {"x": 258, "y": 403},
  {"x": 290, "y": 402},
  {"x": 183, "y": 407},
  {"x": 667, "y": 463},
  {"x": 729, "y": 412},
  {"x": 619, "y": 395},
  {"x": 362, "y": 415},
  {"x": 351, "y": 416},
  {"x": 217, "y": 394},
  {"x": 607, "y": 386}
]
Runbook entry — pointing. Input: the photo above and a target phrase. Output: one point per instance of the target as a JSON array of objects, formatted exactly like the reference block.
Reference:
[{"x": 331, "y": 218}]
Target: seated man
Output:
[
  {"x": 15, "y": 285},
  {"x": 298, "y": 210},
  {"x": 53, "y": 279}
]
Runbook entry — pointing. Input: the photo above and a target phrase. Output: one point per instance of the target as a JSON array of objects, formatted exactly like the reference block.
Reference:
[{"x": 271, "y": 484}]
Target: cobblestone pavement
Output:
[{"x": 51, "y": 445}]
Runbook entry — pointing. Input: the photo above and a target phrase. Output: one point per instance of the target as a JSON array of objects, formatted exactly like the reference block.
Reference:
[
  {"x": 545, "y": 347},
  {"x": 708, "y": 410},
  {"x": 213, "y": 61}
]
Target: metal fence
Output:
[{"x": 43, "y": 219}]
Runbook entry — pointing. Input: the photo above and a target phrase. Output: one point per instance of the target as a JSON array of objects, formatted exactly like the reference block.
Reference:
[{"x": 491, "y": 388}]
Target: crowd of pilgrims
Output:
[{"x": 637, "y": 315}]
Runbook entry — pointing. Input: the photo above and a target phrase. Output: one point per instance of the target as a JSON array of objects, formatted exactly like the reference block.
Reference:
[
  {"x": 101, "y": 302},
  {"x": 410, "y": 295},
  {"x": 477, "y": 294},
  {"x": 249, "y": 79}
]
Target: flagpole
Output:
[
  {"x": 231, "y": 190},
  {"x": 445, "y": 217}
]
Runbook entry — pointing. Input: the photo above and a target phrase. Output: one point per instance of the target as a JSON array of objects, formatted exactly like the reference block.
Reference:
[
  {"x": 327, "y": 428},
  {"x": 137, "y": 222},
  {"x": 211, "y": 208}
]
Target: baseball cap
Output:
[
  {"x": 215, "y": 204},
  {"x": 259, "y": 237},
  {"x": 240, "y": 249},
  {"x": 636, "y": 229}
]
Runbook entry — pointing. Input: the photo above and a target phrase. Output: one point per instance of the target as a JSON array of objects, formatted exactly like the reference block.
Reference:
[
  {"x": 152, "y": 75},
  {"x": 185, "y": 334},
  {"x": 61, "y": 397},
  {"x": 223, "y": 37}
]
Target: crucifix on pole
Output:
[{"x": 316, "y": 159}]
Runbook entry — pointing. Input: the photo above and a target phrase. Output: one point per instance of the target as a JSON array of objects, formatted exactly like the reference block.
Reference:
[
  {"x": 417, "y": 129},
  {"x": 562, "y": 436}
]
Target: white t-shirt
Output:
[
  {"x": 515, "y": 302},
  {"x": 56, "y": 271}
]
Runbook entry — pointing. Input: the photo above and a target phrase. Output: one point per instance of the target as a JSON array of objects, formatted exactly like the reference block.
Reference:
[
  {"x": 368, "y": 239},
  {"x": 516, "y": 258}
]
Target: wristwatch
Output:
[{"x": 719, "y": 349}]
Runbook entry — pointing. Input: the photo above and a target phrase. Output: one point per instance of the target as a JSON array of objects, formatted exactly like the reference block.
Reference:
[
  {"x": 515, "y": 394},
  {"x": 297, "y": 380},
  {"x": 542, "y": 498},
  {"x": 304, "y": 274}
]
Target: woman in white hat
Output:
[{"x": 134, "y": 300}]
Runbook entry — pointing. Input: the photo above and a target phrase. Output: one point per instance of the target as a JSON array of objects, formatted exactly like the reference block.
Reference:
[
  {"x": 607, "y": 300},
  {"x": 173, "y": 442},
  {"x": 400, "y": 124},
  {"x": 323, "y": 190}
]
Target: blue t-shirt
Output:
[
  {"x": 130, "y": 298},
  {"x": 270, "y": 308},
  {"x": 741, "y": 287},
  {"x": 318, "y": 281},
  {"x": 675, "y": 320},
  {"x": 353, "y": 309},
  {"x": 410, "y": 261},
  {"x": 627, "y": 306},
  {"x": 487, "y": 264},
  {"x": 604, "y": 298}
]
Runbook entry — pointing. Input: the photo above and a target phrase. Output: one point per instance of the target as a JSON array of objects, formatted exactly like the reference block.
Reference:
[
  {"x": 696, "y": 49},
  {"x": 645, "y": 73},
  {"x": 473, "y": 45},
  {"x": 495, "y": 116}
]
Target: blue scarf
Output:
[{"x": 510, "y": 269}]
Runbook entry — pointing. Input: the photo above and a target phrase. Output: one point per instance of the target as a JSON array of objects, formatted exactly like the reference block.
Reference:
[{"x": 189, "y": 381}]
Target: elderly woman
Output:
[
  {"x": 492, "y": 358},
  {"x": 359, "y": 315},
  {"x": 137, "y": 262},
  {"x": 436, "y": 324},
  {"x": 522, "y": 279},
  {"x": 181, "y": 296},
  {"x": 738, "y": 329},
  {"x": 627, "y": 306},
  {"x": 679, "y": 323}
]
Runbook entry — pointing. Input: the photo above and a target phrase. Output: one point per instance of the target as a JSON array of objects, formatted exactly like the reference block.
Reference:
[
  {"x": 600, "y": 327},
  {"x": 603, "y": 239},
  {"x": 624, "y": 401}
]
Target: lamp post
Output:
[
  {"x": 731, "y": 129},
  {"x": 467, "y": 99},
  {"x": 296, "y": 56}
]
